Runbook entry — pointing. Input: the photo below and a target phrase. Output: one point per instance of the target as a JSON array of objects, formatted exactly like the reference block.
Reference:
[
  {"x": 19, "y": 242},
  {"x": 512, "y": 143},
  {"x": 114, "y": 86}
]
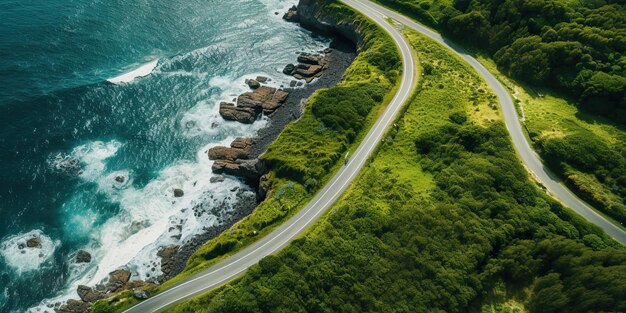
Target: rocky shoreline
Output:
[
  {"x": 310, "y": 71},
  {"x": 247, "y": 150}
]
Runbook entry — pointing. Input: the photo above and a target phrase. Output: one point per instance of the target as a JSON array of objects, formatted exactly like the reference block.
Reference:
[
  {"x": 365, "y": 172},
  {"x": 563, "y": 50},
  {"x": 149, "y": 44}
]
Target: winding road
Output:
[
  {"x": 279, "y": 238},
  {"x": 241, "y": 261},
  {"x": 529, "y": 157}
]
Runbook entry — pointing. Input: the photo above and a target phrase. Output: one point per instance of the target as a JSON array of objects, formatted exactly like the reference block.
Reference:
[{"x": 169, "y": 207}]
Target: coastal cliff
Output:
[{"x": 316, "y": 16}]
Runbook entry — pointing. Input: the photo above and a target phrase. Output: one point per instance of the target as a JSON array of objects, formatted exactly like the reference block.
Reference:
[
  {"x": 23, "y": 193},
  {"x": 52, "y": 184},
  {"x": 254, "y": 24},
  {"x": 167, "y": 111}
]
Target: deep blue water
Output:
[{"x": 66, "y": 133}]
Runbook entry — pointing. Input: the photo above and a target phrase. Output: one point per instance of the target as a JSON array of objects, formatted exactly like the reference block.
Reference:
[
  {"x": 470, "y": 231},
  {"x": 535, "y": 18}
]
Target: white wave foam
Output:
[
  {"x": 246, "y": 23},
  {"x": 86, "y": 161},
  {"x": 279, "y": 6},
  {"x": 204, "y": 117},
  {"x": 141, "y": 71},
  {"x": 22, "y": 258},
  {"x": 92, "y": 156},
  {"x": 133, "y": 237},
  {"x": 150, "y": 217}
]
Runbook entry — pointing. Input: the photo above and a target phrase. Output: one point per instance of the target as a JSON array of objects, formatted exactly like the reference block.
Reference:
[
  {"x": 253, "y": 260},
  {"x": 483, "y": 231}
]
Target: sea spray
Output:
[
  {"x": 94, "y": 165},
  {"x": 28, "y": 251}
]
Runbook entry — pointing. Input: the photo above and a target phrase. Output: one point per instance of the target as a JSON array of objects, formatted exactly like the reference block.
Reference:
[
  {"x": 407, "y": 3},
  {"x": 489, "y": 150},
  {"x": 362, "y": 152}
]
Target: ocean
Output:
[{"x": 106, "y": 107}]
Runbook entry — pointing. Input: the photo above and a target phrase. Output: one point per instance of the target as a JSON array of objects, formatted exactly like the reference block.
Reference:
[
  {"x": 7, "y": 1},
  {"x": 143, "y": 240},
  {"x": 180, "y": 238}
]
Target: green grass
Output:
[
  {"x": 457, "y": 227},
  {"x": 549, "y": 114}
]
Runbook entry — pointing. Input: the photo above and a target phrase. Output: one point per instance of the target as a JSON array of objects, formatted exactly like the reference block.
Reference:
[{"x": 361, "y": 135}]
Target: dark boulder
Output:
[
  {"x": 250, "y": 169},
  {"x": 291, "y": 15},
  {"x": 308, "y": 71},
  {"x": 83, "y": 257},
  {"x": 34, "y": 242},
  {"x": 264, "y": 185},
  {"x": 252, "y": 83},
  {"x": 167, "y": 256},
  {"x": 117, "y": 279},
  {"x": 240, "y": 114},
  {"x": 217, "y": 179},
  {"x": 310, "y": 59},
  {"x": 266, "y": 99},
  {"x": 289, "y": 68},
  {"x": 87, "y": 294},
  {"x": 140, "y": 294},
  {"x": 225, "y": 153},
  {"x": 75, "y": 306}
]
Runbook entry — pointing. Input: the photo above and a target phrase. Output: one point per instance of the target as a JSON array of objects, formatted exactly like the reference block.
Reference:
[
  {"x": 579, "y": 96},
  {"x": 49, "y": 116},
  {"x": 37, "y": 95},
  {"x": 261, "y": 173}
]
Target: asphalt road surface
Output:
[{"x": 238, "y": 263}]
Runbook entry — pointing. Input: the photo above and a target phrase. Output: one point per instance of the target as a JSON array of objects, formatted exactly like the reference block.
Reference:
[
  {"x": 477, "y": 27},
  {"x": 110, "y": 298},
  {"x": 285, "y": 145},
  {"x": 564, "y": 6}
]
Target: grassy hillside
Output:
[
  {"x": 552, "y": 120},
  {"x": 443, "y": 219},
  {"x": 548, "y": 45},
  {"x": 308, "y": 152},
  {"x": 577, "y": 47}
]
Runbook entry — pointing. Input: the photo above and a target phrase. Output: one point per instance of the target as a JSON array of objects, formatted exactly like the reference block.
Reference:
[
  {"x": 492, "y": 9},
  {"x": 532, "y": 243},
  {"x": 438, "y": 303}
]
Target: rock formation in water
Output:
[{"x": 250, "y": 105}]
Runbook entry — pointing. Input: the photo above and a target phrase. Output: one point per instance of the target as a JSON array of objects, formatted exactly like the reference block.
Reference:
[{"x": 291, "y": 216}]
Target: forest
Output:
[
  {"x": 443, "y": 219},
  {"x": 586, "y": 153},
  {"x": 576, "y": 47}
]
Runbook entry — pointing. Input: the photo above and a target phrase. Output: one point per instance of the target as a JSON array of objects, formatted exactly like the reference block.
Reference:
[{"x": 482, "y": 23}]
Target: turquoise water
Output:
[{"x": 67, "y": 133}]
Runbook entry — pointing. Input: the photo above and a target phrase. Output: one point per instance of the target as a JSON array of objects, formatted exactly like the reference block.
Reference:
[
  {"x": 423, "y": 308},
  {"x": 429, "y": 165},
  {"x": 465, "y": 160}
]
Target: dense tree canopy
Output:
[{"x": 589, "y": 154}]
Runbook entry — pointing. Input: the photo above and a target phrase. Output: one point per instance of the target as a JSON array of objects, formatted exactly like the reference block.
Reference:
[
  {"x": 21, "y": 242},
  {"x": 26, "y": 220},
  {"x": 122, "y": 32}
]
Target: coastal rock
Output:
[
  {"x": 253, "y": 83},
  {"x": 264, "y": 98},
  {"x": 250, "y": 169},
  {"x": 308, "y": 71},
  {"x": 312, "y": 59},
  {"x": 75, "y": 306},
  {"x": 264, "y": 185},
  {"x": 117, "y": 279},
  {"x": 34, "y": 242},
  {"x": 262, "y": 79},
  {"x": 217, "y": 179},
  {"x": 250, "y": 104},
  {"x": 167, "y": 255},
  {"x": 289, "y": 69},
  {"x": 167, "y": 252},
  {"x": 309, "y": 67},
  {"x": 225, "y": 153},
  {"x": 178, "y": 193},
  {"x": 83, "y": 257},
  {"x": 140, "y": 294},
  {"x": 242, "y": 143},
  {"x": 139, "y": 284},
  {"x": 240, "y": 114},
  {"x": 291, "y": 15},
  {"x": 87, "y": 294}
]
